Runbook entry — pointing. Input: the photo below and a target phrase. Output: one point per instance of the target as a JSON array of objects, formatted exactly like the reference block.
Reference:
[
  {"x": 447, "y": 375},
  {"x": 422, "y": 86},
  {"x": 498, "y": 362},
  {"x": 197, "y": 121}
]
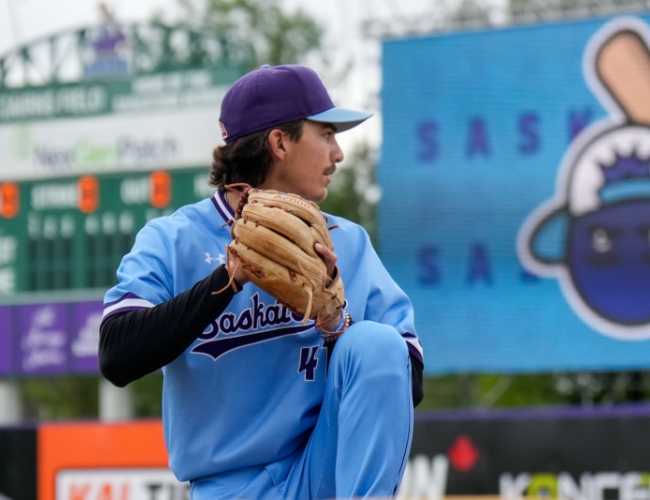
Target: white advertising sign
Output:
[
  {"x": 109, "y": 143},
  {"x": 119, "y": 484}
]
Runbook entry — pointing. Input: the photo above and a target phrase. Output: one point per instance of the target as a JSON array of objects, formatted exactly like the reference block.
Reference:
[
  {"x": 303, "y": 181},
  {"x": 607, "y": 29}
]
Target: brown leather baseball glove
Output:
[{"x": 273, "y": 238}]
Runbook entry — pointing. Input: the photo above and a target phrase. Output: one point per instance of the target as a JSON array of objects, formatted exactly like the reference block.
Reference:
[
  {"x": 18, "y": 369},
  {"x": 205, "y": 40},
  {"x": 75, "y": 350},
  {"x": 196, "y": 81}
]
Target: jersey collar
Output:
[{"x": 221, "y": 204}]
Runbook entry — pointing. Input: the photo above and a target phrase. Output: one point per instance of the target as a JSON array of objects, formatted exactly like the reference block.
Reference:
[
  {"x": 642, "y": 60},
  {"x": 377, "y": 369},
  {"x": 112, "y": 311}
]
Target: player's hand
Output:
[{"x": 328, "y": 256}]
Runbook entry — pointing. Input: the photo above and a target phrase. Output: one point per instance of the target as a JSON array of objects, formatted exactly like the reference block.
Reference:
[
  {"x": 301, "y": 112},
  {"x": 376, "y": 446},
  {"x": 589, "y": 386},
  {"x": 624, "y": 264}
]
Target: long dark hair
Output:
[{"x": 248, "y": 159}]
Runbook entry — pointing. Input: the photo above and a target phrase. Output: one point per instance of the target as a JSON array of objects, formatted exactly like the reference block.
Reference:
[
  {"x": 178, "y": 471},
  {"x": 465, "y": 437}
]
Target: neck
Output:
[{"x": 232, "y": 197}]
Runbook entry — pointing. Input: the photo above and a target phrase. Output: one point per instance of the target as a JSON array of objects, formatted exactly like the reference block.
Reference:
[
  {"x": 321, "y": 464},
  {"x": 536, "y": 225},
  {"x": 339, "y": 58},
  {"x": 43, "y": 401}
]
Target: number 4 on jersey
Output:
[{"x": 308, "y": 362}]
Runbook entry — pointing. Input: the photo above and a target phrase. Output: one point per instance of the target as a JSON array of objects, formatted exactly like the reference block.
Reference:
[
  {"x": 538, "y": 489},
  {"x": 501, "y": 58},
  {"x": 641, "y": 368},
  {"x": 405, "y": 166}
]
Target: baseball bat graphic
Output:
[{"x": 623, "y": 66}]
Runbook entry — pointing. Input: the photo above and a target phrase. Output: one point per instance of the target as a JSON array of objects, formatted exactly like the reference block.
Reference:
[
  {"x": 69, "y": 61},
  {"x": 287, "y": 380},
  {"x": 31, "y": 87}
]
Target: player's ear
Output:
[{"x": 277, "y": 142}]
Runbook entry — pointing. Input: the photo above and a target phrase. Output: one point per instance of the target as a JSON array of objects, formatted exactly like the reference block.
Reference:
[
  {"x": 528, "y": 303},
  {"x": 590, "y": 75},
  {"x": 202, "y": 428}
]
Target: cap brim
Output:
[{"x": 342, "y": 119}]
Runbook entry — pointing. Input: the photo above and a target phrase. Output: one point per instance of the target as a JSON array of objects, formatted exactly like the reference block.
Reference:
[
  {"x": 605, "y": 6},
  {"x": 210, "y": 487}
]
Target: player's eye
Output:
[{"x": 601, "y": 240}]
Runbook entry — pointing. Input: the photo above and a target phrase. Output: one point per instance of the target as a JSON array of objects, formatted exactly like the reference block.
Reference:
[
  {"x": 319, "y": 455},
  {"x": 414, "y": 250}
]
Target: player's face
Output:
[{"x": 308, "y": 163}]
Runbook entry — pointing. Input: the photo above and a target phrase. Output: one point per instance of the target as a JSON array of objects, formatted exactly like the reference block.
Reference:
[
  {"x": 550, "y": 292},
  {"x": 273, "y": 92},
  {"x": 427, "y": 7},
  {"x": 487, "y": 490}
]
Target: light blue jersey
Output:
[{"x": 249, "y": 390}]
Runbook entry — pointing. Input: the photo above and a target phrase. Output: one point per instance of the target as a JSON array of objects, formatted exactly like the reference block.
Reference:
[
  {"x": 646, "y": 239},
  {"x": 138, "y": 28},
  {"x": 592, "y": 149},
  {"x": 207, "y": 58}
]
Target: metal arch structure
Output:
[{"x": 114, "y": 49}]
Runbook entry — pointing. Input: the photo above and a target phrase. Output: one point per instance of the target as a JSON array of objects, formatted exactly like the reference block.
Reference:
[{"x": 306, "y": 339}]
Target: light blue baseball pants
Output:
[{"x": 362, "y": 438}]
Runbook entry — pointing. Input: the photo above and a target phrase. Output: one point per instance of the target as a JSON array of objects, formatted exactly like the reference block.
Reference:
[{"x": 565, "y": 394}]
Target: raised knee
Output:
[{"x": 373, "y": 341}]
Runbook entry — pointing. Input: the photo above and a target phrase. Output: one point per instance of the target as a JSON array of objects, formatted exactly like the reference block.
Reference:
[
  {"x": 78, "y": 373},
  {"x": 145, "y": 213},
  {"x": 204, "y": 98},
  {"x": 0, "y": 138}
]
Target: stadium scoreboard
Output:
[{"x": 69, "y": 233}]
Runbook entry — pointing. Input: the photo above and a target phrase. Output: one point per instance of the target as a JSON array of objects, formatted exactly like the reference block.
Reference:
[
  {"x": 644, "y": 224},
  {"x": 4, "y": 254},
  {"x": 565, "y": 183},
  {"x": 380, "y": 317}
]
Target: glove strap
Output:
[{"x": 232, "y": 282}]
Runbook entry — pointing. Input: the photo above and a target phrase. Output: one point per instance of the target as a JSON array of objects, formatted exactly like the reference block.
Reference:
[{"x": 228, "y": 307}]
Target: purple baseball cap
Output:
[{"x": 273, "y": 95}]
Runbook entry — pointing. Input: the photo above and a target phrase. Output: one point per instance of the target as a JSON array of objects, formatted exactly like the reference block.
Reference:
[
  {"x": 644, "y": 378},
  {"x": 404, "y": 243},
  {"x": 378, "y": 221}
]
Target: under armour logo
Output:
[{"x": 221, "y": 258}]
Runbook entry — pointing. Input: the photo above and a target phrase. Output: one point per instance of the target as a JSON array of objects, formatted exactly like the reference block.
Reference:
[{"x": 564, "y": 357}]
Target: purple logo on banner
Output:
[
  {"x": 43, "y": 339},
  {"x": 85, "y": 336},
  {"x": 5, "y": 340}
]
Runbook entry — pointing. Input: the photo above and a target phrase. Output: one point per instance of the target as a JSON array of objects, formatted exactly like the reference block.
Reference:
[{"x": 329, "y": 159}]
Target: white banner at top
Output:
[{"x": 110, "y": 143}]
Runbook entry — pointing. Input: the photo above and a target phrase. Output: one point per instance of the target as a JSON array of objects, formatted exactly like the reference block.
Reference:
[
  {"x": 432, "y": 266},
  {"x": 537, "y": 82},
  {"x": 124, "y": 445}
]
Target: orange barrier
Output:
[{"x": 96, "y": 445}]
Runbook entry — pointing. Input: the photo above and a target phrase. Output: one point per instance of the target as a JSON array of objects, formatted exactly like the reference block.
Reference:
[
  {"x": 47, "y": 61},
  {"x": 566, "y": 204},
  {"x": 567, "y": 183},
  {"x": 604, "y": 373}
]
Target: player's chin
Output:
[
  {"x": 319, "y": 192},
  {"x": 320, "y": 197}
]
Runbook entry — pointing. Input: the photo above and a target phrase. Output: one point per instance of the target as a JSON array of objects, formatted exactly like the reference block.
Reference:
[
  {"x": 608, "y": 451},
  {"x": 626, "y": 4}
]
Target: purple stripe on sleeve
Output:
[
  {"x": 127, "y": 295},
  {"x": 122, "y": 311},
  {"x": 415, "y": 353}
]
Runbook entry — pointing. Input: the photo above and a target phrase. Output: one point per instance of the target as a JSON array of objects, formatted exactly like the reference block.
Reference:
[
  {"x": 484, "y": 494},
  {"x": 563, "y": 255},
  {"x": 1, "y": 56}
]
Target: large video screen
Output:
[{"x": 515, "y": 171}]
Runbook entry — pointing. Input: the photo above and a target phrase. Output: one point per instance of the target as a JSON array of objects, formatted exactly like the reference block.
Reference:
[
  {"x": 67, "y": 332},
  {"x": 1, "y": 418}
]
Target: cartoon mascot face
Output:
[{"x": 594, "y": 235}]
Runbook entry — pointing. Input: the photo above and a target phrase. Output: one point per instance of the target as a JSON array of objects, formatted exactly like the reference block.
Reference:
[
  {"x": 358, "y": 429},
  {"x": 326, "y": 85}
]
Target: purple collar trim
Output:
[{"x": 221, "y": 204}]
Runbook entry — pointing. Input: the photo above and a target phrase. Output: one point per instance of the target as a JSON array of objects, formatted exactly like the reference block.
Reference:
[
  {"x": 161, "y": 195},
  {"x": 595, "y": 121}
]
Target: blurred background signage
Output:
[
  {"x": 59, "y": 251},
  {"x": 516, "y": 208},
  {"x": 101, "y": 129}
]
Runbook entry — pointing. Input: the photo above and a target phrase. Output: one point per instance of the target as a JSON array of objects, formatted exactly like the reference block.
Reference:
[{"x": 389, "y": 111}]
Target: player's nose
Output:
[{"x": 336, "y": 152}]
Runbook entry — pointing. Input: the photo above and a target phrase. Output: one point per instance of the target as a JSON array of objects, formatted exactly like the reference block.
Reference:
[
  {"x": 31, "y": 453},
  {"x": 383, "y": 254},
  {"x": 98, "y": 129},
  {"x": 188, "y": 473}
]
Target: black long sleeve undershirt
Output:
[
  {"x": 136, "y": 343},
  {"x": 417, "y": 374}
]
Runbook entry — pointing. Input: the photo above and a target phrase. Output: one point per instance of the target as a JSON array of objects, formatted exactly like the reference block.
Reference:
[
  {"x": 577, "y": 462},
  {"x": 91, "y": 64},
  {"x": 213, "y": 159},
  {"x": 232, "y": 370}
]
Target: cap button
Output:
[{"x": 265, "y": 66}]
